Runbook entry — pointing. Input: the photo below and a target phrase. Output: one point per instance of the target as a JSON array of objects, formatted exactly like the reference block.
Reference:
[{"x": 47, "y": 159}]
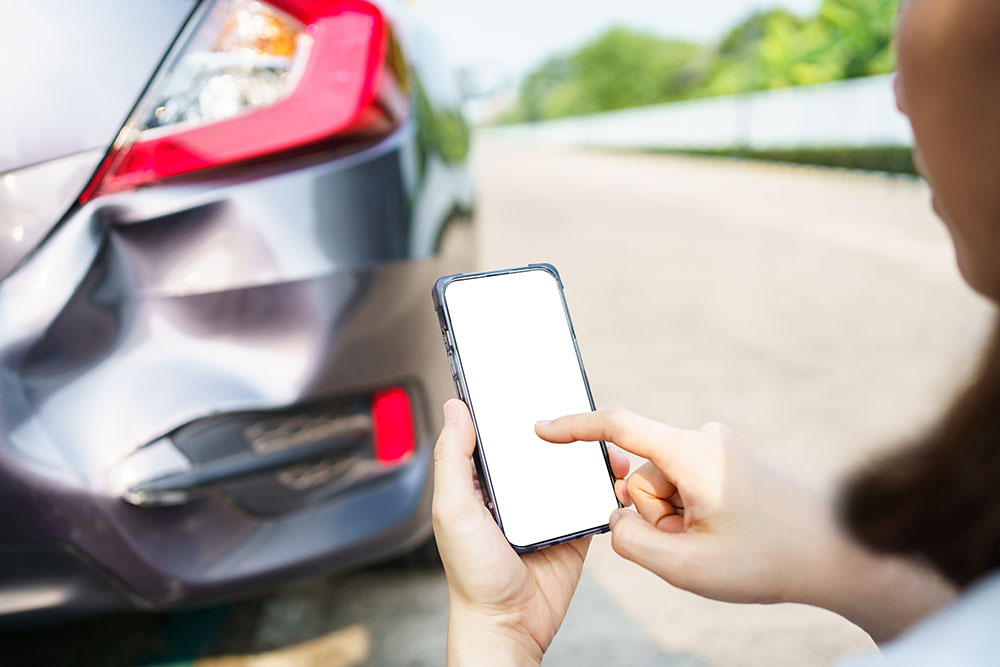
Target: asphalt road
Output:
[{"x": 818, "y": 313}]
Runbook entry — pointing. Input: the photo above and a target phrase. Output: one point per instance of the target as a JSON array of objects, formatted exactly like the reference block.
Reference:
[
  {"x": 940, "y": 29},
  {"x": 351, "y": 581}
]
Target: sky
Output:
[{"x": 515, "y": 35}]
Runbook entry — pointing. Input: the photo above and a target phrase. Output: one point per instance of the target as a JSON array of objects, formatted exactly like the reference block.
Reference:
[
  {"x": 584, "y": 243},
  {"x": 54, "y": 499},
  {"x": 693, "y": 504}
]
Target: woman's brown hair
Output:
[{"x": 940, "y": 499}]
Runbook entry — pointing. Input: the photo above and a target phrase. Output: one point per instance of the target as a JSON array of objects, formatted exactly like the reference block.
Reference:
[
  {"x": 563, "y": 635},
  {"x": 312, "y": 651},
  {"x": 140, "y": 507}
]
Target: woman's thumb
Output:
[
  {"x": 633, "y": 538},
  {"x": 452, "y": 453}
]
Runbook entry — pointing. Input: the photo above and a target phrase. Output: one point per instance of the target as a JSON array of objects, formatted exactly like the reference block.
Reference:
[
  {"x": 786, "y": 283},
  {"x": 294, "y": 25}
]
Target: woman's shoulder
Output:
[{"x": 966, "y": 633}]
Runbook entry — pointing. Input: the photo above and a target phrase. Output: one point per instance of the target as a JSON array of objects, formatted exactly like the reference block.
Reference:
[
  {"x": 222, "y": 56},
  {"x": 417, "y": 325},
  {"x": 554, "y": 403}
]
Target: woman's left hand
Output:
[{"x": 503, "y": 607}]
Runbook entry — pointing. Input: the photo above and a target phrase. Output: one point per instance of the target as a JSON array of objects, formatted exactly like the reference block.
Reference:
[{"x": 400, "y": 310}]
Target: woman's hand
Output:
[
  {"x": 715, "y": 520},
  {"x": 503, "y": 608}
]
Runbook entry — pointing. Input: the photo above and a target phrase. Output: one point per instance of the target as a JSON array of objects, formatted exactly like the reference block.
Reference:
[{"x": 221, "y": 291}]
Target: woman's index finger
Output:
[{"x": 639, "y": 435}]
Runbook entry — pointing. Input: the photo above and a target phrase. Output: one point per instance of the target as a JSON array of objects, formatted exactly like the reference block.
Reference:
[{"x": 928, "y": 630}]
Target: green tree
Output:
[
  {"x": 865, "y": 28},
  {"x": 619, "y": 68},
  {"x": 624, "y": 68},
  {"x": 847, "y": 38},
  {"x": 541, "y": 85},
  {"x": 773, "y": 49},
  {"x": 758, "y": 53}
]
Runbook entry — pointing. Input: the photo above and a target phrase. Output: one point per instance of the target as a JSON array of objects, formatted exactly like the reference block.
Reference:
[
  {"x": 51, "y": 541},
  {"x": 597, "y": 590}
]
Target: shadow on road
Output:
[{"x": 325, "y": 619}]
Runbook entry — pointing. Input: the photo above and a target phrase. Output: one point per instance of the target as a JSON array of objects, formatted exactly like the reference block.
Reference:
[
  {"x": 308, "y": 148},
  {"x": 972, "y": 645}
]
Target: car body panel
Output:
[
  {"x": 32, "y": 200},
  {"x": 265, "y": 288},
  {"x": 75, "y": 73}
]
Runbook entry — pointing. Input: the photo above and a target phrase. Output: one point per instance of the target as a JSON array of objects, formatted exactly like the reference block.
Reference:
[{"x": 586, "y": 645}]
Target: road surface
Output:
[{"x": 818, "y": 313}]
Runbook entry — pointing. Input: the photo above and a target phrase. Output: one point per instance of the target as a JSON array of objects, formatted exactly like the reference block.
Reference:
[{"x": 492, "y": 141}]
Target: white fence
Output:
[{"x": 853, "y": 113}]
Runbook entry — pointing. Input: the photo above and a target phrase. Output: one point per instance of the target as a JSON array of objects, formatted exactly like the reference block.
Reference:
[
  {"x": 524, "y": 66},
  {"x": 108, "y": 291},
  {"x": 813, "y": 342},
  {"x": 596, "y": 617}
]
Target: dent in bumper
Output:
[{"x": 152, "y": 309}]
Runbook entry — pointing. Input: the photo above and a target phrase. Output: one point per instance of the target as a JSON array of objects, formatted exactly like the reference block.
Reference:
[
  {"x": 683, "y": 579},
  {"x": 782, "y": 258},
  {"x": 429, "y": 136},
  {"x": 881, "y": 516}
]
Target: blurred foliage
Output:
[
  {"x": 891, "y": 159},
  {"x": 620, "y": 68},
  {"x": 772, "y": 49}
]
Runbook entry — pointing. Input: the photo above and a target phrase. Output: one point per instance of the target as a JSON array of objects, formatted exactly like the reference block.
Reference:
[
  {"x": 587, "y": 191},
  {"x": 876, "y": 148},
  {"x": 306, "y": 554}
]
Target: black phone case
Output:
[{"x": 454, "y": 361}]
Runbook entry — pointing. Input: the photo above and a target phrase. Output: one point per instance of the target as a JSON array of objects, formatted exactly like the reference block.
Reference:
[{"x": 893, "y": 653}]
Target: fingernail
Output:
[
  {"x": 450, "y": 413},
  {"x": 613, "y": 519},
  {"x": 543, "y": 422}
]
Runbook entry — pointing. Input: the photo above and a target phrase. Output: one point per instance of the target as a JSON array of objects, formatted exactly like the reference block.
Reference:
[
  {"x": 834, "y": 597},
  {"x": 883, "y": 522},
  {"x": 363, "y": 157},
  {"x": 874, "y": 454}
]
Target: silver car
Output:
[{"x": 219, "y": 222}]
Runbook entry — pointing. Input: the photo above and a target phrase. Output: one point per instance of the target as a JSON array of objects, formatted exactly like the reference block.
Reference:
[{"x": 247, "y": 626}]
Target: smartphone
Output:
[{"x": 515, "y": 360}]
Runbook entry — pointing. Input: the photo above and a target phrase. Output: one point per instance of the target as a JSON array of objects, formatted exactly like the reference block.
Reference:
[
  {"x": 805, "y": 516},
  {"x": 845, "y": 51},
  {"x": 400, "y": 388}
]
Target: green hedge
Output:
[{"x": 891, "y": 159}]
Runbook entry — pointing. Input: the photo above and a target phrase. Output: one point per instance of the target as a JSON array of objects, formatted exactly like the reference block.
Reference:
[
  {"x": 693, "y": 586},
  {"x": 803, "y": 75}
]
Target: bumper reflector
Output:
[{"x": 392, "y": 425}]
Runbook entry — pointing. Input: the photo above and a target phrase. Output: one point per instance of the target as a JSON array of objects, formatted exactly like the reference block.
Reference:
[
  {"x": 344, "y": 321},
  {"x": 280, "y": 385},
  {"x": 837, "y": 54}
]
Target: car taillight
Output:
[
  {"x": 392, "y": 425},
  {"x": 251, "y": 79}
]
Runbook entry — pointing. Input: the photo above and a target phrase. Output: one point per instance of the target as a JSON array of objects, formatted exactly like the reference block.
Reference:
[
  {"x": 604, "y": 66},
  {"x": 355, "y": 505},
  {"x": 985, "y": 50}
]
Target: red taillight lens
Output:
[
  {"x": 392, "y": 425},
  {"x": 252, "y": 79}
]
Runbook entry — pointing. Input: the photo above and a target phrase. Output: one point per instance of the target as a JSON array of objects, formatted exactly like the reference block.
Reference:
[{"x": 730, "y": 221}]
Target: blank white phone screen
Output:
[{"x": 514, "y": 344}]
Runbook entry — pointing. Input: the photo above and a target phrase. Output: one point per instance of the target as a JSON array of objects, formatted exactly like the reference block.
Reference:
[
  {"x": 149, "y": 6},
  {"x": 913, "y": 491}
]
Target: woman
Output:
[{"x": 714, "y": 520}]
